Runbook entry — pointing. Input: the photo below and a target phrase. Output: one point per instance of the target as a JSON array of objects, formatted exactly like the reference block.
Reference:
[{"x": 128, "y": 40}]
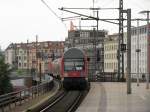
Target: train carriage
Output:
[
  {"x": 71, "y": 68},
  {"x": 74, "y": 69}
]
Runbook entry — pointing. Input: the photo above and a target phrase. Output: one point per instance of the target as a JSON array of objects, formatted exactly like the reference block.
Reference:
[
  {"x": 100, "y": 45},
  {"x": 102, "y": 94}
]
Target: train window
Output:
[
  {"x": 88, "y": 59},
  {"x": 73, "y": 64}
]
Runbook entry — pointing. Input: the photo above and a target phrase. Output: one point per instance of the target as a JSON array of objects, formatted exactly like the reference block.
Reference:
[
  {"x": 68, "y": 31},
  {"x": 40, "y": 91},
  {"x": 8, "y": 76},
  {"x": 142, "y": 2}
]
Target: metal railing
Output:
[
  {"x": 19, "y": 97},
  {"x": 112, "y": 77}
]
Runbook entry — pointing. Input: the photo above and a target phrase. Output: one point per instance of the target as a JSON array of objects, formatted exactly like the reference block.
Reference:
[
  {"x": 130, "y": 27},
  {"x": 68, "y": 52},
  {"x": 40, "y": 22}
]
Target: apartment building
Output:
[
  {"x": 10, "y": 55},
  {"x": 111, "y": 55},
  {"x": 139, "y": 52},
  {"x": 33, "y": 56},
  {"x": 140, "y": 46}
]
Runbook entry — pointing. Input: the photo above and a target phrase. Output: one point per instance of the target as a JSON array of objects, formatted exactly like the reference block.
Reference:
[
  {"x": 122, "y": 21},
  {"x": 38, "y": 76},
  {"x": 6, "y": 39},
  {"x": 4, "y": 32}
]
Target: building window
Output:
[
  {"x": 25, "y": 52},
  {"x": 19, "y": 57},
  {"x": 25, "y": 57},
  {"x": 19, "y": 64},
  {"x": 25, "y": 64}
]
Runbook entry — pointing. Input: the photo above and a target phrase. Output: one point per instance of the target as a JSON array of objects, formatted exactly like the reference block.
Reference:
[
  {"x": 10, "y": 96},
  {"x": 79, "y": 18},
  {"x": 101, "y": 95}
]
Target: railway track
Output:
[
  {"x": 37, "y": 107},
  {"x": 66, "y": 102},
  {"x": 62, "y": 101}
]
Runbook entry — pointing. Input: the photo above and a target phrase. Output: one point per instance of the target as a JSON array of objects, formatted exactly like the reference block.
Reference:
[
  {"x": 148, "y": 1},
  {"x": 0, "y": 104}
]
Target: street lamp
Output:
[{"x": 147, "y": 76}]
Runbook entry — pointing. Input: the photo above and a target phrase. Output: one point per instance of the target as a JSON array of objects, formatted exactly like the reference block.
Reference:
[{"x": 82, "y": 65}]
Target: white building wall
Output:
[
  {"x": 9, "y": 56},
  {"x": 142, "y": 54},
  {"x": 110, "y": 56},
  {"x": 111, "y": 48}
]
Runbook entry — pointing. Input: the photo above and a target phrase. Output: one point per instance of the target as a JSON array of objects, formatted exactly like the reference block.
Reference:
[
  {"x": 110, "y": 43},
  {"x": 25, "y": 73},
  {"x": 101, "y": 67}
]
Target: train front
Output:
[{"x": 74, "y": 69}]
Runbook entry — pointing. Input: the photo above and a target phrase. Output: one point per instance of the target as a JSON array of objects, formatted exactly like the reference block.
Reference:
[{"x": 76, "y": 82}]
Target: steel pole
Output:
[
  {"x": 120, "y": 54},
  {"x": 147, "y": 76},
  {"x": 138, "y": 51},
  {"x": 128, "y": 51}
]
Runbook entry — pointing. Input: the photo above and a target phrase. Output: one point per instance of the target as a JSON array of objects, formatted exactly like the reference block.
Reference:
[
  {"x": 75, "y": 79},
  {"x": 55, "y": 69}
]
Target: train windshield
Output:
[{"x": 73, "y": 64}]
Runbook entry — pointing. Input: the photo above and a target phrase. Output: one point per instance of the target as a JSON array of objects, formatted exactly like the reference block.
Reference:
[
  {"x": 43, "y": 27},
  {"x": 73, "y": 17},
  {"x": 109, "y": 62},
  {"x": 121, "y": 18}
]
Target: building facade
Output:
[
  {"x": 139, "y": 52},
  {"x": 140, "y": 47},
  {"x": 111, "y": 55},
  {"x": 34, "y": 56}
]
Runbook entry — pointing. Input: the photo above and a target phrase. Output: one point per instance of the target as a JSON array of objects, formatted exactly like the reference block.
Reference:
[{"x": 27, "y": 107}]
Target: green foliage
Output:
[
  {"x": 1, "y": 56},
  {"x": 5, "y": 85},
  {"x": 20, "y": 72}
]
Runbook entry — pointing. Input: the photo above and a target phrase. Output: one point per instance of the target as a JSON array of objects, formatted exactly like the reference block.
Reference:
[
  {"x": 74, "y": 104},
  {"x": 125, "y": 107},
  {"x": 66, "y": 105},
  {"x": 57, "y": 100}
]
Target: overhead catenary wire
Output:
[
  {"x": 51, "y": 9},
  {"x": 91, "y": 8},
  {"x": 88, "y": 17},
  {"x": 53, "y": 12},
  {"x": 71, "y": 18}
]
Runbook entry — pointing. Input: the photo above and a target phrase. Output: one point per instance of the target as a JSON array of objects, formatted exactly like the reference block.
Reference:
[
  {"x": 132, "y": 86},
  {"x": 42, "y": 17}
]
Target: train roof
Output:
[{"x": 73, "y": 53}]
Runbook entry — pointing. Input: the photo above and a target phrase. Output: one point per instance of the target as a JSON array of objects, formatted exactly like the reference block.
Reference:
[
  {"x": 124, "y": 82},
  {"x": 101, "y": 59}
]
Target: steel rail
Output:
[
  {"x": 54, "y": 102},
  {"x": 75, "y": 103},
  {"x": 67, "y": 102}
]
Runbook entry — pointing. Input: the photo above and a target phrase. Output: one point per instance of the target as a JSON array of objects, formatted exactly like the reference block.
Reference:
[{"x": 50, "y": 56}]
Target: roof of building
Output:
[{"x": 44, "y": 44}]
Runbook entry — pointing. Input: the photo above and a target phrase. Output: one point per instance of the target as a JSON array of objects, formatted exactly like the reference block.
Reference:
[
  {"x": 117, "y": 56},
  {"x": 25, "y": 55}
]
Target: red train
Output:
[{"x": 72, "y": 68}]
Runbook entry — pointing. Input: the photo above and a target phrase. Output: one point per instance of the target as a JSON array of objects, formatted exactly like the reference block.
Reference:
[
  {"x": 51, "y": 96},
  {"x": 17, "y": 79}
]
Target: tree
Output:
[{"x": 5, "y": 85}]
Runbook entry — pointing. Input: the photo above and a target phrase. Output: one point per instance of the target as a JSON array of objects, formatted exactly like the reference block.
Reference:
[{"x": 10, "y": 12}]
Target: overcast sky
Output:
[{"x": 23, "y": 19}]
